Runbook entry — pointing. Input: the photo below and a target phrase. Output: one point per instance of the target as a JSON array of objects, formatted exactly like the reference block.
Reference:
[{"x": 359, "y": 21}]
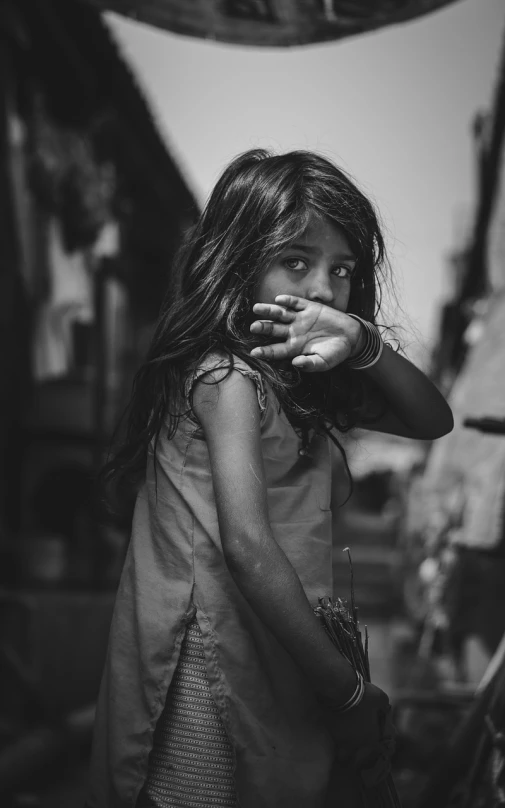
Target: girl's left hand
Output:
[{"x": 316, "y": 337}]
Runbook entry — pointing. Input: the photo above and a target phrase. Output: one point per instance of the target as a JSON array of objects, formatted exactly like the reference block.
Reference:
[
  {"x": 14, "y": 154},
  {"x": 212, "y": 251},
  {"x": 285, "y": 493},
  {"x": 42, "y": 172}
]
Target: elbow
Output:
[
  {"x": 239, "y": 564},
  {"x": 442, "y": 427},
  {"x": 241, "y": 554},
  {"x": 248, "y": 573},
  {"x": 448, "y": 430},
  {"x": 248, "y": 554},
  {"x": 446, "y": 424}
]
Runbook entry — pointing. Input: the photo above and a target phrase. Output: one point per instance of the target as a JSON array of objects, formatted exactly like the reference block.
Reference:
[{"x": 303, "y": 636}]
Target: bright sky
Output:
[{"x": 394, "y": 108}]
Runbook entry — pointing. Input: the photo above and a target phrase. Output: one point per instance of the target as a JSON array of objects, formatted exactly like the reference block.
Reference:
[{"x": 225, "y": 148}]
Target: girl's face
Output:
[{"x": 317, "y": 267}]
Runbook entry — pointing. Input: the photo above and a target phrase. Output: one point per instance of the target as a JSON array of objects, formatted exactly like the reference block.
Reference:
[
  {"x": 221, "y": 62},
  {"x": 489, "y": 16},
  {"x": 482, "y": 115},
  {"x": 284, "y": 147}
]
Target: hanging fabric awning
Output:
[
  {"x": 467, "y": 461},
  {"x": 271, "y": 23}
]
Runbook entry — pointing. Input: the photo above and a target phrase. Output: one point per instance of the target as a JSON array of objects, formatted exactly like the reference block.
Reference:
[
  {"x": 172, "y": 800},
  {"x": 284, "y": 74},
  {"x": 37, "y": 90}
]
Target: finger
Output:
[
  {"x": 270, "y": 352},
  {"x": 309, "y": 364},
  {"x": 272, "y": 312},
  {"x": 292, "y": 302},
  {"x": 269, "y": 328}
]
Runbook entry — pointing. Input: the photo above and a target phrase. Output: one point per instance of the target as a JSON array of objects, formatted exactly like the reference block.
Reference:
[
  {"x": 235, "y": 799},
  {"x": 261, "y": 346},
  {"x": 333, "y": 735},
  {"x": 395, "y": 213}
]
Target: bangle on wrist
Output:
[
  {"x": 356, "y": 697},
  {"x": 372, "y": 349},
  {"x": 353, "y": 701}
]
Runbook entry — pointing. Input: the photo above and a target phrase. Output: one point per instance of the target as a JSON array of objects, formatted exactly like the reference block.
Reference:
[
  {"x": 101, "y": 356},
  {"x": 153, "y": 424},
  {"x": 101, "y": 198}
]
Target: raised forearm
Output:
[
  {"x": 410, "y": 397},
  {"x": 318, "y": 338}
]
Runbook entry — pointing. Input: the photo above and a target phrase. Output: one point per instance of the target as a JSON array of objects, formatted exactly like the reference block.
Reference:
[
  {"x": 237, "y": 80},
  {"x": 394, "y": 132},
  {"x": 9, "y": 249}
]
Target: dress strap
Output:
[{"x": 214, "y": 362}]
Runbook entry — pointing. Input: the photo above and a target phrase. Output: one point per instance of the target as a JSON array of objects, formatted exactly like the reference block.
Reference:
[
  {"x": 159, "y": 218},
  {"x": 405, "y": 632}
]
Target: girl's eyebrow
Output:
[{"x": 317, "y": 251}]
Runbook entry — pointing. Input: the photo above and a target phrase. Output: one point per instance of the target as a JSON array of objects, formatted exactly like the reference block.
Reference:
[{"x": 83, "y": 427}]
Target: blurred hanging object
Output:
[
  {"x": 70, "y": 300},
  {"x": 271, "y": 22}
]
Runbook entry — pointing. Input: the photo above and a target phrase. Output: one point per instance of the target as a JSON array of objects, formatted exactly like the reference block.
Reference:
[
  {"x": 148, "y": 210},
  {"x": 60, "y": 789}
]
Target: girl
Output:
[{"x": 220, "y": 687}]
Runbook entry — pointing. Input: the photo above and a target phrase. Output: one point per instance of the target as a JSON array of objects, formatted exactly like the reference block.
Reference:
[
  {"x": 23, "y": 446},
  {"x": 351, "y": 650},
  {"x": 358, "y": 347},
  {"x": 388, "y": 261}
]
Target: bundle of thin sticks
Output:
[{"x": 340, "y": 620}]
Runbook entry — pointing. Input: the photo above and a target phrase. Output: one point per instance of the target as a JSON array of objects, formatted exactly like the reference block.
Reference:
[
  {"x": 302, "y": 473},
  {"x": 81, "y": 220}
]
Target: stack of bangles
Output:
[
  {"x": 356, "y": 697},
  {"x": 353, "y": 701},
  {"x": 372, "y": 349}
]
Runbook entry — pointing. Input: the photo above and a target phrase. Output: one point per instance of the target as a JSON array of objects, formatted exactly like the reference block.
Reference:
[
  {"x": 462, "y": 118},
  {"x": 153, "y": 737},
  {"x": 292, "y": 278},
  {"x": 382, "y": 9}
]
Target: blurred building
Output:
[
  {"x": 92, "y": 207},
  {"x": 458, "y": 535}
]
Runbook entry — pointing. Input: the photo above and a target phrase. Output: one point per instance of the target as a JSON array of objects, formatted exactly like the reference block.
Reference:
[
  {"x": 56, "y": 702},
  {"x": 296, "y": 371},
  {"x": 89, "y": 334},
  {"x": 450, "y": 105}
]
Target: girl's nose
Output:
[{"x": 320, "y": 289}]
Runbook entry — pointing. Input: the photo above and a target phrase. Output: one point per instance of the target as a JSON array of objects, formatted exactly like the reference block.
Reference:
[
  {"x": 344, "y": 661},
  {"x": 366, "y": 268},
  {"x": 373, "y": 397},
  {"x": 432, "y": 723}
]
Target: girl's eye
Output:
[
  {"x": 342, "y": 272},
  {"x": 295, "y": 264}
]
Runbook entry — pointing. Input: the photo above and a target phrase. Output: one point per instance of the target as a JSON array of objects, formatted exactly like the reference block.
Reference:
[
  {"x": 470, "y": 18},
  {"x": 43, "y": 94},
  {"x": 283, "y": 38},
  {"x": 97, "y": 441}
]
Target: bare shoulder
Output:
[{"x": 225, "y": 397}]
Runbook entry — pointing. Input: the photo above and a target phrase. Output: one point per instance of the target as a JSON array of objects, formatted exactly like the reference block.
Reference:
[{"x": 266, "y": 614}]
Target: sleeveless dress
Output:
[{"x": 176, "y": 593}]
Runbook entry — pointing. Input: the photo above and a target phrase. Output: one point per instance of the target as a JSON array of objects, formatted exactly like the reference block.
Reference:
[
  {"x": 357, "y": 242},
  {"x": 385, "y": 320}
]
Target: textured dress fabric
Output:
[
  {"x": 175, "y": 572},
  {"x": 191, "y": 762}
]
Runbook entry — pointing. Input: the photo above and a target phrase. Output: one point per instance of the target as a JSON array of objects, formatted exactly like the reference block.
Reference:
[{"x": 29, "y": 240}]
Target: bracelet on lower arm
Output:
[
  {"x": 371, "y": 351},
  {"x": 353, "y": 701},
  {"x": 356, "y": 697}
]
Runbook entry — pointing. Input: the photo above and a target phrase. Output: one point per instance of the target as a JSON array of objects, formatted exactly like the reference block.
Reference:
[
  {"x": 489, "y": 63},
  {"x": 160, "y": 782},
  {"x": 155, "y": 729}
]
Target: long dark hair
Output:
[{"x": 261, "y": 203}]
